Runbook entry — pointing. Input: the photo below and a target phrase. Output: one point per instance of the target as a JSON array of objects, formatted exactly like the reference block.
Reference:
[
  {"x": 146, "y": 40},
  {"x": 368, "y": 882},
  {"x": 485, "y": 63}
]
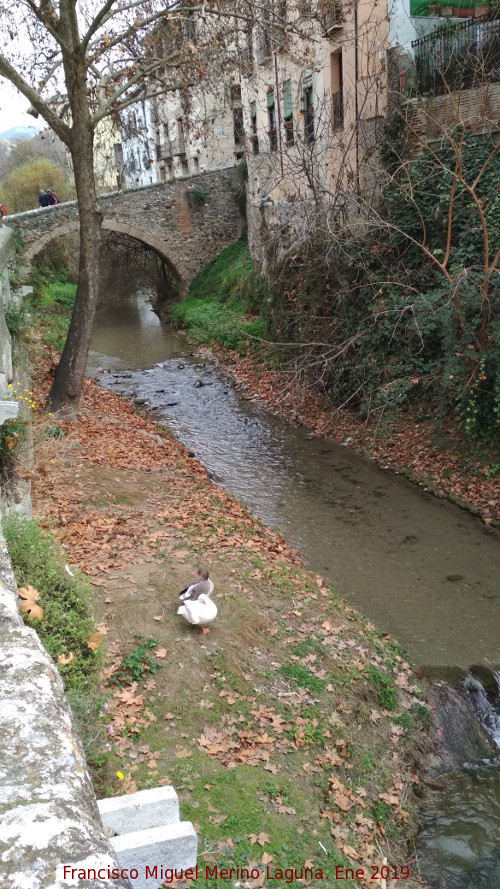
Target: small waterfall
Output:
[{"x": 482, "y": 689}]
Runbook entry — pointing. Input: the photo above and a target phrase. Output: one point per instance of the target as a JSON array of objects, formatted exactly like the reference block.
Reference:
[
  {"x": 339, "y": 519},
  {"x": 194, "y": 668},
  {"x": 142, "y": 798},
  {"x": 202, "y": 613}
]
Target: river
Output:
[{"x": 420, "y": 568}]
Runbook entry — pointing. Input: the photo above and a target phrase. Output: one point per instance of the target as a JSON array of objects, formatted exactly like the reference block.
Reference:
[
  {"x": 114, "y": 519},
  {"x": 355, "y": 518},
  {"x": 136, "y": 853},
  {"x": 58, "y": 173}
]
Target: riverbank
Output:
[
  {"x": 294, "y": 730},
  {"x": 225, "y": 311},
  {"x": 439, "y": 461}
]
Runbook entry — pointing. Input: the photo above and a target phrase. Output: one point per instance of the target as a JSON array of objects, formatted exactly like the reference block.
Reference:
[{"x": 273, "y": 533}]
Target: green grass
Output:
[
  {"x": 220, "y": 299},
  {"x": 299, "y": 676},
  {"x": 386, "y": 689},
  {"x": 67, "y": 621}
]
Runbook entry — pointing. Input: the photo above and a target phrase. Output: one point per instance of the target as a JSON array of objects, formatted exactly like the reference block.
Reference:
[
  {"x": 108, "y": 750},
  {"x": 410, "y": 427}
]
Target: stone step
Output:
[
  {"x": 168, "y": 846},
  {"x": 141, "y": 810}
]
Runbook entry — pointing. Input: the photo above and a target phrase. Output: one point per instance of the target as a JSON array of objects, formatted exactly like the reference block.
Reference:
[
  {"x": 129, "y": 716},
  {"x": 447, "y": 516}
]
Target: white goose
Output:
[
  {"x": 199, "y": 611},
  {"x": 198, "y": 587}
]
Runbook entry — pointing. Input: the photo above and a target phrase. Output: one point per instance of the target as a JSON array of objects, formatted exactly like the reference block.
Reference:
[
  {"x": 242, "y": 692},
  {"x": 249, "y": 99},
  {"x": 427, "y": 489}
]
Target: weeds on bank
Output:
[
  {"x": 136, "y": 665},
  {"x": 67, "y": 622},
  {"x": 65, "y": 629},
  {"x": 220, "y": 305}
]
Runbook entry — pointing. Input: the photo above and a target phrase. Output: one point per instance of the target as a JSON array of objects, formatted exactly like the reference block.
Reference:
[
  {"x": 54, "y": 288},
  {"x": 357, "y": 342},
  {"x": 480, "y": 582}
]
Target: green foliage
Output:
[
  {"x": 405, "y": 721},
  {"x": 137, "y": 664},
  {"x": 382, "y": 812},
  {"x": 220, "y": 300},
  {"x": 386, "y": 689},
  {"x": 300, "y": 676},
  {"x": 51, "y": 306},
  {"x": 422, "y": 714},
  {"x": 196, "y": 197},
  {"x": 13, "y": 433},
  {"x": 16, "y": 321},
  {"x": 67, "y": 622},
  {"x": 380, "y": 323},
  {"x": 19, "y": 189}
]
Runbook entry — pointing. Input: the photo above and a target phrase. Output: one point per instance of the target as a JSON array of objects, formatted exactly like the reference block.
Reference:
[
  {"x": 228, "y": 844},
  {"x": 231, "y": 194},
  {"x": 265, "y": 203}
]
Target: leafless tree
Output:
[{"x": 79, "y": 62}]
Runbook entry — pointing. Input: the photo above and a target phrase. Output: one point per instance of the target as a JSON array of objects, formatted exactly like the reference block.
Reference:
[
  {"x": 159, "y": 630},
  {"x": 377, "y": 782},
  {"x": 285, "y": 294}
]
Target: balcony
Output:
[
  {"x": 458, "y": 54},
  {"x": 332, "y": 16},
  {"x": 179, "y": 148}
]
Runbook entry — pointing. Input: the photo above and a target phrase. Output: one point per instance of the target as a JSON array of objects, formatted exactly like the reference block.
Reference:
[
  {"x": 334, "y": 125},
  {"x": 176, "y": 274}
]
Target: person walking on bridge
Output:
[{"x": 43, "y": 199}]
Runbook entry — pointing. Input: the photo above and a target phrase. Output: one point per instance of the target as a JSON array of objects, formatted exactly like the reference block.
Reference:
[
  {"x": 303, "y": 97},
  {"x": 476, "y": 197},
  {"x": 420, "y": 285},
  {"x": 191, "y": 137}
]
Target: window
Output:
[
  {"x": 287, "y": 112},
  {"x": 239, "y": 130},
  {"x": 337, "y": 91},
  {"x": 254, "y": 137},
  {"x": 181, "y": 149},
  {"x": 271, "y": 119},
  {"x": 308, "y": 112}
]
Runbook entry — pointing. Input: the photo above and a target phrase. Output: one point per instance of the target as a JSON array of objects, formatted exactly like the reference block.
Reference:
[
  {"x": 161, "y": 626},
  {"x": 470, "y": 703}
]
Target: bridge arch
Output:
[
  {"x": 186, "y": 222},
  {"x": 157, "y": 245}
]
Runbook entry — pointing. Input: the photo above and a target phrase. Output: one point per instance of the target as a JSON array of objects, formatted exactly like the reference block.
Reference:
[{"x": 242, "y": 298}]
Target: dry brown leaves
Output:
[{"x": 28, "y": 596}]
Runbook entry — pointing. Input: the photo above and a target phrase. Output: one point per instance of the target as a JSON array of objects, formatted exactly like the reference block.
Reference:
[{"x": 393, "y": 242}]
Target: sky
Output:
[{"x": 13, "y": 107}]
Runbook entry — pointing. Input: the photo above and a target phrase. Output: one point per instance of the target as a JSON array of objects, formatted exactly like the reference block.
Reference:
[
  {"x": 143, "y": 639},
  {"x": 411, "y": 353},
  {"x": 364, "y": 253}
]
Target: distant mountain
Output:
[{"x": 18, "y": 134}]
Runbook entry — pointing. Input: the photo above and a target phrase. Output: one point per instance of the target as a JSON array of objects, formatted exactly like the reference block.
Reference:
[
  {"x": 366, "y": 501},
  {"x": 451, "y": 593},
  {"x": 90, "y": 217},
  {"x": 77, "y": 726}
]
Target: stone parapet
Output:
[{"x": 49, "y": 816}]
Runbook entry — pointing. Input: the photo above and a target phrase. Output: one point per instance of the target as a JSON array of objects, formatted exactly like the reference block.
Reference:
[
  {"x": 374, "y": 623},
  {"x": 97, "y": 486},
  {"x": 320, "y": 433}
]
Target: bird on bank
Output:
[
  {"x": 199, "y": 611},
  {"x": 193, "y": 591}
]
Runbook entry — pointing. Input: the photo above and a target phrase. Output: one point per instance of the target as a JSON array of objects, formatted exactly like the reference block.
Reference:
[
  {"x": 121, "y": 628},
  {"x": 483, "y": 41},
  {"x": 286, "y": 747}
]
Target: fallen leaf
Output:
[
  {"x": 183, "y": 753},
  {"x": 94, "y": 641},
  {"x": 65, "y": 659},
  {"x": 260, "y": 838},
  {"x": 266, "y": 858},
  {"x": 218, "y": 819},
  {"x": 28, "y": 606},
  {"x": 159, "y": 618},
  {"x": 161, "y": 652}
]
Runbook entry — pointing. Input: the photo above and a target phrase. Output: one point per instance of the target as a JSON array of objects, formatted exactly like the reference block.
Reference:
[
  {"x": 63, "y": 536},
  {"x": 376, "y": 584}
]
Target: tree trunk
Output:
[{"x": 64, "y": 396}]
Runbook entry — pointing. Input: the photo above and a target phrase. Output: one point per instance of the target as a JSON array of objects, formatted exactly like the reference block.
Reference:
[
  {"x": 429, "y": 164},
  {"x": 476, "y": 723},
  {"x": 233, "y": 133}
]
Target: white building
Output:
[{"x": 138, "y": 145}]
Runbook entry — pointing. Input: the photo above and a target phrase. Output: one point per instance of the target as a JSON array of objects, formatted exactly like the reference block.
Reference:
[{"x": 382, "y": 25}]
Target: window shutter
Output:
[{"x": 287, "y": 99}]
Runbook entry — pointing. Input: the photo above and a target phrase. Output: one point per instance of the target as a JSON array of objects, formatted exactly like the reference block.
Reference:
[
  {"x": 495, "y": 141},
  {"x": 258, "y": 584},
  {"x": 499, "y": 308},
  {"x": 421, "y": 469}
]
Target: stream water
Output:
[{"x": 418, "y": 567}]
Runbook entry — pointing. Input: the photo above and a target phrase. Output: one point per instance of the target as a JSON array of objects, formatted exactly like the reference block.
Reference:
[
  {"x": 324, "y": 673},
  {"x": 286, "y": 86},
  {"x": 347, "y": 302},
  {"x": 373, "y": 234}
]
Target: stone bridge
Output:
[{"x": 186, "y": 222}]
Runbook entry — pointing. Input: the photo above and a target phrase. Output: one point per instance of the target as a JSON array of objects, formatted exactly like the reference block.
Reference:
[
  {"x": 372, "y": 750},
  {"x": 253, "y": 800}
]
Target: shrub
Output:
[{"x": 19, "y": 189}]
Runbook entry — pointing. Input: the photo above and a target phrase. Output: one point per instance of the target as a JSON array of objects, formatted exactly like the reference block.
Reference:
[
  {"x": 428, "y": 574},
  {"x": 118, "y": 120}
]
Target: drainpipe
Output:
[
  {"x": 356, "y": 107},
  {"x": 278, "y": 112}
]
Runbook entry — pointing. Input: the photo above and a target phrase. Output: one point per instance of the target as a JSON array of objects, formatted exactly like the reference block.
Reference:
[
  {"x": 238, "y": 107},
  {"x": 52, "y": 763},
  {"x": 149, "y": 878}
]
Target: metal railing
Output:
[
  {"x": 458, "y": 54},
  {"x": 333, "y": 14}
]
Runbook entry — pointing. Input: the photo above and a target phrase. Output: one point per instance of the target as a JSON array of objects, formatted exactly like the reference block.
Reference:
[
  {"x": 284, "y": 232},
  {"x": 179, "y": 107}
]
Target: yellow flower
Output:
[{"x": 119, "y": 775}]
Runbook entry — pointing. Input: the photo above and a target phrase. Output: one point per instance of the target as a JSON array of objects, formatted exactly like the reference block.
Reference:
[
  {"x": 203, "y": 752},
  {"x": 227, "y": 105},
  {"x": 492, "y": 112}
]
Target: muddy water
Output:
[{"x": 420, "y": 568}]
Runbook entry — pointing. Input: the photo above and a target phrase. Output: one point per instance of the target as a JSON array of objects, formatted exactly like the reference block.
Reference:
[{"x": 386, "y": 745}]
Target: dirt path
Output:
[{"x": 293, "y": 730}]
